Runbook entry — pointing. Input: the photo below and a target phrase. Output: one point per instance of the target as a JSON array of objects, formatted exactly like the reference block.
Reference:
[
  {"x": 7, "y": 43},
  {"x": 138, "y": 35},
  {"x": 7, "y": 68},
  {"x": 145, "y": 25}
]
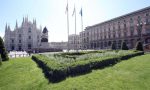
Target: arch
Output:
[
  {"x": 109, "y": 43},
  {"x": 44, "y": 40},
  {"x": 147, "y": 40}
]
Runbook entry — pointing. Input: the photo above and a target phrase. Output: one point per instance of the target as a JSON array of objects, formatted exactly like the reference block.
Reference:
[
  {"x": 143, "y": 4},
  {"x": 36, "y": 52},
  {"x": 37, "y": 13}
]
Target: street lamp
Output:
[{"x": 140, "y": 25}]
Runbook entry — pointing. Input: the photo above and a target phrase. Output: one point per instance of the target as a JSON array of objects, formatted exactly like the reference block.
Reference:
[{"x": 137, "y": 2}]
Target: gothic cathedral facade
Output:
[{"x": 27, "y": 37}]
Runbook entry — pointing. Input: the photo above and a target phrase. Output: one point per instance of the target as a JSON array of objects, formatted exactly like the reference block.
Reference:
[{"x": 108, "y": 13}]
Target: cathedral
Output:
[{"x": 27, "y": 37}]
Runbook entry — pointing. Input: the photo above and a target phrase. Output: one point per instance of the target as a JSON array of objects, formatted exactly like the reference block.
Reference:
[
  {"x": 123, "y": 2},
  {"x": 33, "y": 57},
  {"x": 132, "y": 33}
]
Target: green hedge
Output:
[
  {"x": 52, "y": 70},
  {"x": 56, "y": 71}
]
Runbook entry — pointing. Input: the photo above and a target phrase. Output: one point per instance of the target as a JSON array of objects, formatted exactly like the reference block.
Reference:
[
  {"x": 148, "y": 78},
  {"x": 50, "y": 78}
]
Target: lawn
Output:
[{"x": 132, "y": 74}]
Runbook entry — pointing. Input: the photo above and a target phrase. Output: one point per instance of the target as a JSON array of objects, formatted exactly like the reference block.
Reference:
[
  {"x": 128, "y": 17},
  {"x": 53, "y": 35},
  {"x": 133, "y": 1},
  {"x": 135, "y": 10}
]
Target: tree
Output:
[
  {"x": 0, "y": 60},
  {"x": 139, "y": 46},
  {"x": 124, "y": 46},
  {"x": 113, "y": 46},
  {"x": 3, "y": 52}
]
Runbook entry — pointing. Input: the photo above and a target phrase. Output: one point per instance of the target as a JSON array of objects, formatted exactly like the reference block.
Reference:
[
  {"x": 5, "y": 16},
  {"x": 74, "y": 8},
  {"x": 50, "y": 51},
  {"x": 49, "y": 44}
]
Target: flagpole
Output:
[
  {"x": 67, "y": 26},
  {"x": 82, "y": 23},
  {"x": 75, "y": 31},
  {"x": 81, "y": 13},
  {"x": 81, "y": 27}
]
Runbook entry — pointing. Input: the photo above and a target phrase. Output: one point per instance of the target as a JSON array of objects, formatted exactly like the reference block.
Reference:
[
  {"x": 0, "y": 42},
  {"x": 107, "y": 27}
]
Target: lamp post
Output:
[{"x": 139, "y": 26}]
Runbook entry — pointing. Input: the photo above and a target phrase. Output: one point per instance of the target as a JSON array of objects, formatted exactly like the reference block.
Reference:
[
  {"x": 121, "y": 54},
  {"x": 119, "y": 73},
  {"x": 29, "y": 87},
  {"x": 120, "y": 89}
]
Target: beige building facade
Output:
[
  {"x": 130, "y": 28},
  {"x": 74, "y": 42}
]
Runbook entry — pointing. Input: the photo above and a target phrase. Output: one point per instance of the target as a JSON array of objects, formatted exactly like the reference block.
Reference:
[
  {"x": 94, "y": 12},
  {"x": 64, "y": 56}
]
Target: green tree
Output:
[
  {"x": 113, "y": 46},
  {"x": 0, "y": 60},
  {"x": 139, "y": 46},
  {"x": 124, "y": 46},
  {"x": 3, "y": 52}
]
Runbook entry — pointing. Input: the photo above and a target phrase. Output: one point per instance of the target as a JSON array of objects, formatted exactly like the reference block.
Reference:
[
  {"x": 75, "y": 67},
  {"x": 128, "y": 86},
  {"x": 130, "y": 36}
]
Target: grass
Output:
[{"x": 132, "y": 74}]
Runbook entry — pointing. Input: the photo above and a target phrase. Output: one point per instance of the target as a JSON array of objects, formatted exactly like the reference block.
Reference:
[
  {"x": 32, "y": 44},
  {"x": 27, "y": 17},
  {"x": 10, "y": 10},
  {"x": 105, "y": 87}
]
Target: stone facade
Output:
[
  {"x": 26, "y": 37},
  {"x": 59, "y": 45},
  {"x": 130, "y": 28},
  {"x": 74, "y": 42}
]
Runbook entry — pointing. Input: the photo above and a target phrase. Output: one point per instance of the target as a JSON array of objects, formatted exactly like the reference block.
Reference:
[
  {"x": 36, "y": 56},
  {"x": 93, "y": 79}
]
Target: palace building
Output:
[
  {"x": 27, "y": 37},
  {"x": 130, "y": 28},
  {"x": 74, "y": 42}
]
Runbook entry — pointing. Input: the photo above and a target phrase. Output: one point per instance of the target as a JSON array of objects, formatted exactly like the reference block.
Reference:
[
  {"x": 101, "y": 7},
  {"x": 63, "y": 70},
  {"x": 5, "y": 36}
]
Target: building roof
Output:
[{"x": 123, "y": 16}]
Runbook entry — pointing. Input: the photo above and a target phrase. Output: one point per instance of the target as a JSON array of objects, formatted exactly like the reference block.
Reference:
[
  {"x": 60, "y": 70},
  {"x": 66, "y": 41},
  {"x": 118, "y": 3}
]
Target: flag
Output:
[
  {"x": 66, "y": 8},
  {"x": 74, "y": 10},
  {"x": 80, "y": 12}
]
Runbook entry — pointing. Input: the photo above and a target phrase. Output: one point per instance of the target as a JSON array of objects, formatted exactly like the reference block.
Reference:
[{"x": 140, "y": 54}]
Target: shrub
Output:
[
  {"x": 53, "y": 71},
  {"x": 3, "y": 52},
  {"x": 113, "y": 46},
  {"x": 139, "y": 46},
  {"x": 124, "y": 46}
]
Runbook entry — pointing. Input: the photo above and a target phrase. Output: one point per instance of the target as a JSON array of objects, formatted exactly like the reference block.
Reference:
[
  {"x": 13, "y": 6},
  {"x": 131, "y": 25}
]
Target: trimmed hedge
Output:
[
  {"x": 124, "y": 46},
  {"x": 56, "y": 71},
  {"x": 139, "y": 46},
  {"x": 52, "y": 70}
]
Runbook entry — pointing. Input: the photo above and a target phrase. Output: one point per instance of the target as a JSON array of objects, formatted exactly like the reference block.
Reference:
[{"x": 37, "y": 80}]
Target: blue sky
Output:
[{"x": 51, "y": 13}]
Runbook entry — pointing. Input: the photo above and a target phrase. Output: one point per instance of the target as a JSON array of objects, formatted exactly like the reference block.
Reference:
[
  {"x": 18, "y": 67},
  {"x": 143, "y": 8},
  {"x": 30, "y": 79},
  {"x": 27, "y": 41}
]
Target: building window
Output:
[
  {"x": 29, "y": 30},
  {"x": 109, "y": 36},
  {"x": 132, "y": 30},
  {"x": 19, "y": 41},
  {"x": 147, "y": 20},
  {"x": 12, "y": 41},
  {"x": 147, "y": 14},
  {"x": 29, "y": 46},
  {"x": 131, "y": 22},
  {"x": 125, "y": 25},
  {"x": 12, "y": 47},
  {"x": 119, "y": 34},
  {"x": 125, "y": 34},
  {"x": 114, "y": 35},
  {"x": 19, "y": 35},
  {"x": 29, "y": 37},
  {"x": 104, "y": 36},
  {"x": 20, "y": 48},
  {"x": 124, "y": 21},
  {"x": 118, "y": 25}
]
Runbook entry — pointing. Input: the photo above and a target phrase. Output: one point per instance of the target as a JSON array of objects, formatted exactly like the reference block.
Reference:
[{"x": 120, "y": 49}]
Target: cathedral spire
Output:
[
  {"x": 26, "y": 18},
  {"x": 35, "y": 21},
  {"x": 23, "y": 19},
  {"x": 16, "y": 24},
  {"x": 6, "y": 27}
]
